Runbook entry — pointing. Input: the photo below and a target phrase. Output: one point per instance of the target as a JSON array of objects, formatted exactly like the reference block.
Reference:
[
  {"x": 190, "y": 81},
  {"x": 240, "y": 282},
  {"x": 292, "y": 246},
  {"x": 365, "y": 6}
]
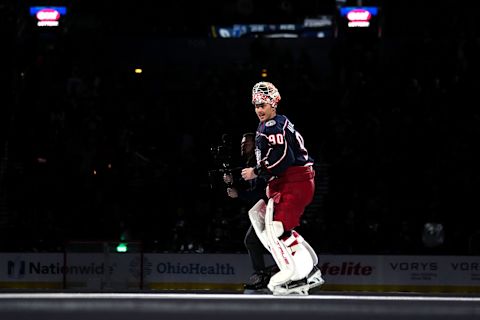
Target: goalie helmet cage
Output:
[{"x": 103, "y": 265}]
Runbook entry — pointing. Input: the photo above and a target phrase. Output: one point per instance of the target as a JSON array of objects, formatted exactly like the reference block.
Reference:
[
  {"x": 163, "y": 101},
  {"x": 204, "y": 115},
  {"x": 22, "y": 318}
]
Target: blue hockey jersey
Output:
[{"x": 278, "y": 146}]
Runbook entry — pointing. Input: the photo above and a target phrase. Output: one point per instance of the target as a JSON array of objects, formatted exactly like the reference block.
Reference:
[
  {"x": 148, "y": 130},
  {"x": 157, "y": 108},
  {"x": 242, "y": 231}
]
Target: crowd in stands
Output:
[{"x": 95, "y": 151}]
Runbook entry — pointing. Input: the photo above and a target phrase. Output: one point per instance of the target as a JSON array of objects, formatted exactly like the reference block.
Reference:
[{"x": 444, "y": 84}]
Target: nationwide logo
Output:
[
  {"x": 16, "y": 269},
  {"x": 19, "y": 268},
  {"x": 346, "y": 269}
]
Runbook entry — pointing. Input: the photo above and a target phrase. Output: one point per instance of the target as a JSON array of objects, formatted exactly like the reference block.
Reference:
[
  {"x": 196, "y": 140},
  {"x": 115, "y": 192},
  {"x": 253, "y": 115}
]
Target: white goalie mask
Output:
[{"x": 265, "y": 92}]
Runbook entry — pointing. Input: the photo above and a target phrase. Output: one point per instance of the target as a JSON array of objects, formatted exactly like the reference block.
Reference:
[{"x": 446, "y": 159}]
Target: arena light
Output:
[
  {"x": 48, "y": 16},
  {"x": 359, "y": 17},
  {"x": 122, "y": 247},
  {"x": 138, "y": 70}
]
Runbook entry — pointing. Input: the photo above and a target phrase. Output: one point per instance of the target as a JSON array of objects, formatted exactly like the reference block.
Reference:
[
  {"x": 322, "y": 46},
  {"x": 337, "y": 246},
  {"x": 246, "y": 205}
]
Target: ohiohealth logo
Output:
[{"x": 16, "y": 269}]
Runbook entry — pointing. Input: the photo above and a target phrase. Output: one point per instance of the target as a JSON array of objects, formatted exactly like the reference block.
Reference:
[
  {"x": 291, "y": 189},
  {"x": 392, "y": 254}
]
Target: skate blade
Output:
[
  {"x": 260, "y": 291},
  {"x": 299, "y": 291}
]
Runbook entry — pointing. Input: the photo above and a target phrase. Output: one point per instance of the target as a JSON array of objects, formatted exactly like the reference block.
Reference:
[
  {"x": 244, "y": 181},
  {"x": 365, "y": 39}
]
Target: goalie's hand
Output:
[
  {"x": 248, "y": 174},
  {"x": 232, "y": 193}
]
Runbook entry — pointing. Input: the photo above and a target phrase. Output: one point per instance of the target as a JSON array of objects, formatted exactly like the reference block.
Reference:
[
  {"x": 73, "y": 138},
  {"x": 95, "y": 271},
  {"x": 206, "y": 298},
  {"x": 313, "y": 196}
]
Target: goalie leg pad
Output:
[
  {"x": 292, "y": 258},
  {"x": 281, "y": 255},
  {"x": 312, "y": 252},
  {"x": 314, "y": 278},
  {"x": 288, "y": 254},
  {"x": 302, "y": 257},
  {"x": 257, "y": 217}
]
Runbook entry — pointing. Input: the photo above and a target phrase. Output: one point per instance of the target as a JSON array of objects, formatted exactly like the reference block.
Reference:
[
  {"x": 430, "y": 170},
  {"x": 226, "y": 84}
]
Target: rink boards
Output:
[{"x": 227, "y": 272}]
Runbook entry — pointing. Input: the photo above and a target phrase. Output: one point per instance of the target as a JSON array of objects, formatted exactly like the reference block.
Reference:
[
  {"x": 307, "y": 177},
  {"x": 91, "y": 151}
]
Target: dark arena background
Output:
[{"x": 118, "y": 120}]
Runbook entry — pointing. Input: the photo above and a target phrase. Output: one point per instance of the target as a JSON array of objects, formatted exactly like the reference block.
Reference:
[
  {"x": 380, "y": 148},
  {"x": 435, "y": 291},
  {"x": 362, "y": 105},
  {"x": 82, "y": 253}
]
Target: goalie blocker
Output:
[{"x": 293, "y": 255}]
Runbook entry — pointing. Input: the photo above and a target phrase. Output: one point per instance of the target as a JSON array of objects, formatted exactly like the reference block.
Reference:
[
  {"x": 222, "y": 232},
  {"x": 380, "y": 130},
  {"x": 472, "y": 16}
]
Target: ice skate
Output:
[
  {"x": 258, "y": 283},
  {"x": 302, "y": 286},
  {"x": 298, "y": 287},
  {"x": 315, "y": 279}
]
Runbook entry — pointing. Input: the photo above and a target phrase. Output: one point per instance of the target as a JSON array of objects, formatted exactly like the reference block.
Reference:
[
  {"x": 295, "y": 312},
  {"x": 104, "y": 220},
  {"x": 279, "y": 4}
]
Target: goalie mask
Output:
[{"x": 265, "y": 92}]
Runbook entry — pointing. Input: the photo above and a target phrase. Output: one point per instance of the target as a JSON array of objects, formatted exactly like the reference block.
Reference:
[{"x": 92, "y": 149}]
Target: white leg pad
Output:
[
  {"x": 293, "y": 259},
  {"x": 303, "y": 263},
  {"x": 281, "y": 285},
  {"x": 294, "y": 256},
  {"x": 314, "y": 278},
  {"x": 312, "y": 252},
  {"x": 257, "y": 217},
  {"x": 279, "y": 251}
]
